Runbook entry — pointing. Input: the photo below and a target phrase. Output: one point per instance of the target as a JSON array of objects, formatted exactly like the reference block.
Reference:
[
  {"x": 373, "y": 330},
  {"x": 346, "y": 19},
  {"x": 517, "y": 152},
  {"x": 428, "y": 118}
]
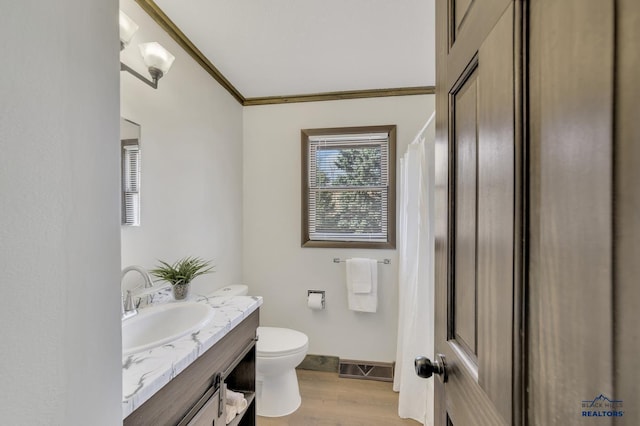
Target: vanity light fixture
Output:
[{"x": 157, "y": 59}]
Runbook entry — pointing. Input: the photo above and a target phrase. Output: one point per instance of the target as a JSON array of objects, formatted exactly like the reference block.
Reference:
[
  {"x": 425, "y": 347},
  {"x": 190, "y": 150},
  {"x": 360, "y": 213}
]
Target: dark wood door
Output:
[
  {"x": 478, "y": 213},
  {"x": 537, "y": 225}
]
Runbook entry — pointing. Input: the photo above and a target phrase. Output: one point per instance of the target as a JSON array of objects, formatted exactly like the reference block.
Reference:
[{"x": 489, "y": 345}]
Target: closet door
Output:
[{"x": 478, "y": 213}]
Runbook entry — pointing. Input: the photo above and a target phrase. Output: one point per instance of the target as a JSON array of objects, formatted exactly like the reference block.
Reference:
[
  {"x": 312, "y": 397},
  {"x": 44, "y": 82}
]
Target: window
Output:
[
  {"x": 348, "y": 187},
  {"x": 130, "y": 182}
]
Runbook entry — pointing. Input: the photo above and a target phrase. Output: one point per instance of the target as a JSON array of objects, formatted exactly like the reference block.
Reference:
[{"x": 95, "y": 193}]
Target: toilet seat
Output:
[{"x": 277, "y": 342}]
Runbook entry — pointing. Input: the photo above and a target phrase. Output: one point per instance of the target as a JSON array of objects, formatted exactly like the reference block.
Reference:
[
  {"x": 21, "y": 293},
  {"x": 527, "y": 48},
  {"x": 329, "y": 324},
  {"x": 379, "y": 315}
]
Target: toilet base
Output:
[{"x": 277, "y": 395}]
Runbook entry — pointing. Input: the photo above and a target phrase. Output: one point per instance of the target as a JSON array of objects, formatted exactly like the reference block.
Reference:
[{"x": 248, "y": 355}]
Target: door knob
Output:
[{"x": 425, "y": 368}]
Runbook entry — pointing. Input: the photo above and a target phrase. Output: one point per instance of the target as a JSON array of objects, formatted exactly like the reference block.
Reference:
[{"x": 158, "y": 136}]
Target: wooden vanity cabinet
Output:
[{"x": 196, "y": 395}]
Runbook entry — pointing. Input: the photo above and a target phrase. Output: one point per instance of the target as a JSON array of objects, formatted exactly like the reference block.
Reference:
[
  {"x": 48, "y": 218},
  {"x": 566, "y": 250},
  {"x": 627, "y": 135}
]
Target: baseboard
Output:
[
  {"x": 320, "y": 363},
  {"x": 368, "y": 370}
]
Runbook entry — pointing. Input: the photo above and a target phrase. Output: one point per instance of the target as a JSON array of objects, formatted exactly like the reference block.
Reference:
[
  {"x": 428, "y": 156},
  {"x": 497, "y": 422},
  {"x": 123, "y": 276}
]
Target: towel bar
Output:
[{"x": 338, "y": 260}]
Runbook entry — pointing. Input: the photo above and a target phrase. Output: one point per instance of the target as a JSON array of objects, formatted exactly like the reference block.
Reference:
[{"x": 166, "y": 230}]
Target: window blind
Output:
[
  {"x": 348, "y": 186},
  {"x": 130, "y": 184}
]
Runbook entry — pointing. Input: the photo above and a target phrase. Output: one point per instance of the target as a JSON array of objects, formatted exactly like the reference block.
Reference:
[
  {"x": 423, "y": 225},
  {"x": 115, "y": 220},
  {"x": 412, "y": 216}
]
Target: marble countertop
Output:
[{"x": 144, "y": 373}]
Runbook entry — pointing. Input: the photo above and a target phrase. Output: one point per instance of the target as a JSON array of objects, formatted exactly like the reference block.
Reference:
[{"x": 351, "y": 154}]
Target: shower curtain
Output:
[{"x": 416, "y": 277}]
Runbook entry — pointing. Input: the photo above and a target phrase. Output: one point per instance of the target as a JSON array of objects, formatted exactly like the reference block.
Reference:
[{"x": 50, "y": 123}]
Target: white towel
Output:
[
  {"x": 359, "y": 275},
  {"x": 237, "y": 400},
  {"x": 233, "y": 396},
  {"x": 358, "y": 300},
  {"x": 230, "y": 412}
]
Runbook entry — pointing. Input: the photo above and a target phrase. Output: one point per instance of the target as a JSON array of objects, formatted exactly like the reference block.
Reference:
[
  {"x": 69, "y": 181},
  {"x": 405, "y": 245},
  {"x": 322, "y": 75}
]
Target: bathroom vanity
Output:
[{"x": 185, "y": 382}]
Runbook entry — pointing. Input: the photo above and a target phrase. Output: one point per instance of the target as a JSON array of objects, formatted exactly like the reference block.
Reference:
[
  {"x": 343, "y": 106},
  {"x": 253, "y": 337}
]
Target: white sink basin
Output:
[{"x": 157, "y": 325}]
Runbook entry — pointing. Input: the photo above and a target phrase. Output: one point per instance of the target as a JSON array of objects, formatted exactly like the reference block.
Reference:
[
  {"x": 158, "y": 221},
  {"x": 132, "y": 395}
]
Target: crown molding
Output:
[
  {"x": 154, "y": 11},
  {"x": 334, "y": 96}
]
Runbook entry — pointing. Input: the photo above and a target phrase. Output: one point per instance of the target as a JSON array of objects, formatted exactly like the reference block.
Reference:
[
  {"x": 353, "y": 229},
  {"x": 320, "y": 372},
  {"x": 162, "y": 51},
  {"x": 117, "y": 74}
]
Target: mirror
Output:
[{"x": 130, "y": 171}]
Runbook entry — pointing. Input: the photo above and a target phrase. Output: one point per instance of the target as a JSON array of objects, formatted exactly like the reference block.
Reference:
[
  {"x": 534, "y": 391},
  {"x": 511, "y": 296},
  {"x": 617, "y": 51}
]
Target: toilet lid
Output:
[{"x": 275, "y": 341}]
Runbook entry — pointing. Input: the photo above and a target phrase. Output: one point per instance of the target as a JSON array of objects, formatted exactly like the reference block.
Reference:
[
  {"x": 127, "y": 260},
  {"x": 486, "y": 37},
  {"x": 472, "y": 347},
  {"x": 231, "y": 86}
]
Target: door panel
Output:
[
  {"x": 460, "y": 9},
  {"x": 496, "y": 215},
  {"x": 465, "y": 106},
  {"x": 477, "y": 339},
  {"x": 460, "y": 46}
]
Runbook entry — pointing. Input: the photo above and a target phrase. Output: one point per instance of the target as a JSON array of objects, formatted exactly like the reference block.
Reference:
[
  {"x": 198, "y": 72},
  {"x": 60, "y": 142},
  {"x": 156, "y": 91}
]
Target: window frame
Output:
[{"x": 306, "y": 134}]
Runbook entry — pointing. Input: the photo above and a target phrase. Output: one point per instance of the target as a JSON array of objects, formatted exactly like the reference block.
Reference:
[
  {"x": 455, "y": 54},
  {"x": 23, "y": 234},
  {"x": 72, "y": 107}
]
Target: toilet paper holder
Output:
[{"x": 320, "y": 292}]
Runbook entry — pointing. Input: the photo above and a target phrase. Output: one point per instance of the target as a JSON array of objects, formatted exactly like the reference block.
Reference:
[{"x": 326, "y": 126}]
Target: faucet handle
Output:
[{"x": 128, "y": 302}]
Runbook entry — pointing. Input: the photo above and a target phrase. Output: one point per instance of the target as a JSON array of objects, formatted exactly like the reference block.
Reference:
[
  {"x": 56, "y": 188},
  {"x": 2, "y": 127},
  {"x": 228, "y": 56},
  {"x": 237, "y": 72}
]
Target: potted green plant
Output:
[{"x": 181, "y": 273}]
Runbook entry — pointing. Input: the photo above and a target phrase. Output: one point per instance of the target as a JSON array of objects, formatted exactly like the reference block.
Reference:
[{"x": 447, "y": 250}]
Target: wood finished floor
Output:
[{"x": 328, "y": 400}]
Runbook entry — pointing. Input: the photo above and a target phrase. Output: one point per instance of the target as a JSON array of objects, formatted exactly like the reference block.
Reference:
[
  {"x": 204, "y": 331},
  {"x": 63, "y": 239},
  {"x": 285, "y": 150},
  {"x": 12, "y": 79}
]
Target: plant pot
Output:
[{"x": 181, "y": 291}]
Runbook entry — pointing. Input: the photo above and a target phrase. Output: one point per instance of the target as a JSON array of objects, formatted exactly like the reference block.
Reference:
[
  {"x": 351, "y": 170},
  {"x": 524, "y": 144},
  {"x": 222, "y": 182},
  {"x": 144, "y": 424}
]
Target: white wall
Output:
[
  {"x": 59, "y": 214},
  {"x": 191, "y": 143},
  {"x": 276, "y": 266}
]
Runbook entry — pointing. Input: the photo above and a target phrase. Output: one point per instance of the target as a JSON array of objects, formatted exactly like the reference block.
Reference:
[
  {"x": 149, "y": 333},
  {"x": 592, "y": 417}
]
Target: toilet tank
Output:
[{"x": 232, "y": 290}]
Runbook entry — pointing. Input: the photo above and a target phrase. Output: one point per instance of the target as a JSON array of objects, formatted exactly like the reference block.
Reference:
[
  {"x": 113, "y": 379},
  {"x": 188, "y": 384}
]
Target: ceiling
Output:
[{"x": 280, "y": 48}]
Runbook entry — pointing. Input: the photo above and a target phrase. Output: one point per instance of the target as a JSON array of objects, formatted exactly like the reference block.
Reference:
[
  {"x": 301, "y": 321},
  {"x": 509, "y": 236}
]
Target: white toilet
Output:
[{"x": 278, "y": 352}]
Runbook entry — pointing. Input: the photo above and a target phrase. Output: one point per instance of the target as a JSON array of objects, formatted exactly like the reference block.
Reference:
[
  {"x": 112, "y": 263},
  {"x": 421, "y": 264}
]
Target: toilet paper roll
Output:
[{"x": 314, "y": 301}]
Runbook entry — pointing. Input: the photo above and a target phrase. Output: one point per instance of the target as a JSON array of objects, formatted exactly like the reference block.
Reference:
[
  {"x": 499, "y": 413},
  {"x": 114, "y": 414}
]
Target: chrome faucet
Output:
[{"x": 128, "y": 307}]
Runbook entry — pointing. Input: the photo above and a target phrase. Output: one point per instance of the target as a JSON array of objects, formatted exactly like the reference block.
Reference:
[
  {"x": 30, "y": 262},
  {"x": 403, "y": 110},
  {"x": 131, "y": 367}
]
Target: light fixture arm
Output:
[
  {"x": 155, "y": 74},
  {"x": 157, "y": 59}
]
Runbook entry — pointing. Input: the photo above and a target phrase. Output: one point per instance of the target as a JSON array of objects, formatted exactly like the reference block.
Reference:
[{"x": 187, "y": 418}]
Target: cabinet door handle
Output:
[{"x": 221, "y": 396}]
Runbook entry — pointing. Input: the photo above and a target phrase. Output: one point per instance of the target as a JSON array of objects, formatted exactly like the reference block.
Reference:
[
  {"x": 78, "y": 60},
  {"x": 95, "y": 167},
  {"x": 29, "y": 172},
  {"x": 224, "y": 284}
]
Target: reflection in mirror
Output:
[{"x": 130, "y": 172}]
